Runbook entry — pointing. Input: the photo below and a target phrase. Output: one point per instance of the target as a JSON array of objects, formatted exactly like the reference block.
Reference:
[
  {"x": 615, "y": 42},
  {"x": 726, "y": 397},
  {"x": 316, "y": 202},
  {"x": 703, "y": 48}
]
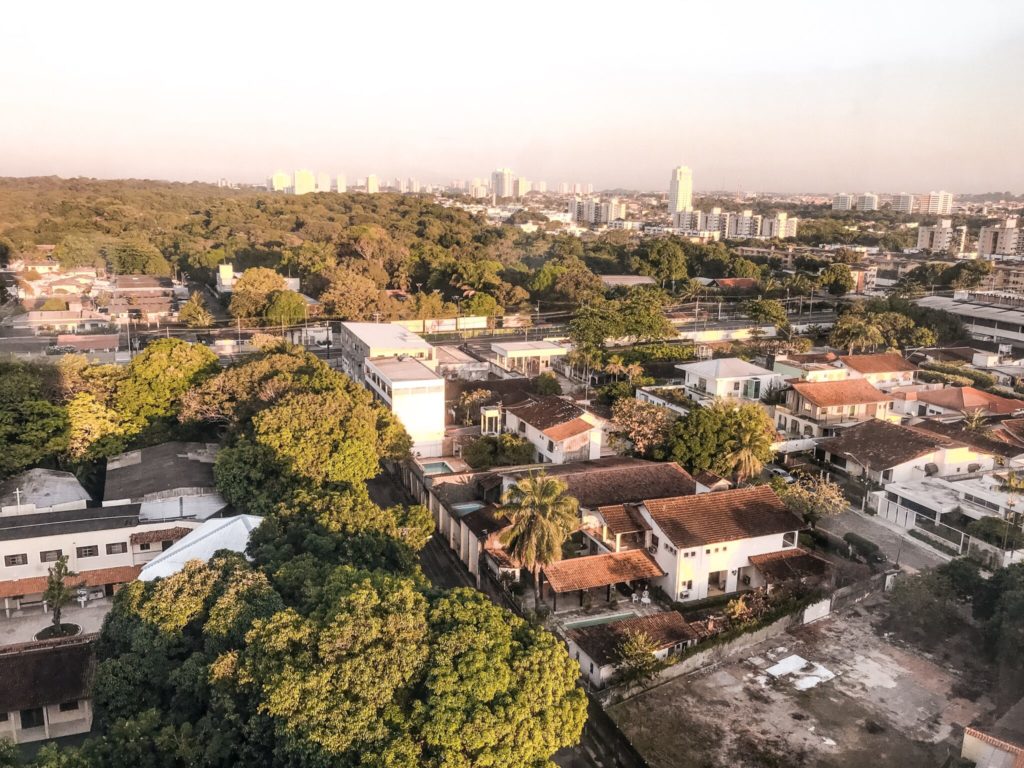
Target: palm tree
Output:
[
  {"x": 615, "y": 366},
  {"x": 634, "y": 370},
  {"x": 975, "y": 420},
  {"x": 854, "y": 333},
  {"x": 541, "y": 517},
  {"x": 743, "y": 451}
]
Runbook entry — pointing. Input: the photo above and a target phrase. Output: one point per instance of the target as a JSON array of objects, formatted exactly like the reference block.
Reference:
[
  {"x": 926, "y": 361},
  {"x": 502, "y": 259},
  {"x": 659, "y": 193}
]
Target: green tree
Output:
[
  {"x": 836, "y": 279},
  {"x": 546, "y": 384},
  {"x": 194, "y": 313},
  {"x": 645, "y": 425},
  {"x": 541, "y": 515},
  {"x": 635, "y": 662},
  {"x": 642, "y": 315},
  {"x": 252, "y": 292},
  {"x": 749, "y": 442},
  {"x": 854, "y": 331},
  {"x": 350, "y": 296},
  {"x": 285, "y": 308},
  {"x": 32, "y": 432},
  {"x": 54, "y": 304},
  {"x": 58, "y": 592},
  {"x": 94, "y": 431},
  {"x": 136, "y": 255},
  {"x": 766, "y": 312},
  {"x": 813, "y": 497}
]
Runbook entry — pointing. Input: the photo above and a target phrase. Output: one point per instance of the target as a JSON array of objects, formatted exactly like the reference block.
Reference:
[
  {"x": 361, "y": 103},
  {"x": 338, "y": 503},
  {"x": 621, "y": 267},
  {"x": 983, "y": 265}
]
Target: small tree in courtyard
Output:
[
  {"x": 635, "y": 659},
  {"x": 58, "y": 592}
]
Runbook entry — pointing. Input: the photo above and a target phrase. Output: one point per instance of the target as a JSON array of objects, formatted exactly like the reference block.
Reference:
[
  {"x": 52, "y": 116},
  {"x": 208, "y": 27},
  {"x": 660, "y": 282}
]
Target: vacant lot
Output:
[{"x": 887, "y": 705}]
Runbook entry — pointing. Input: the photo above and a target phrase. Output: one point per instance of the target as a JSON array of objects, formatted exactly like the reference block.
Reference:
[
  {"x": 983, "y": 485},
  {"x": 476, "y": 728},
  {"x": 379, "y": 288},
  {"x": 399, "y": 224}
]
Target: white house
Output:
[
  {"x": 415, "y": 394},
  {"x": 727, "y": 377},
  {"x": 888, "y": 452},
  {"x": 595, "y": 647},
  {"x": 359, "y": 341},
  {"x": 230, "y": 533},
  {"x": 227, "y": 277},
  {"x": 560, "y": 430},
  {"x": 1000, "y": 745},
  {"x": 529, "y": 358},
  {"x": 47, "y": 689},
  {"x": 705, "y": 543},
  {"x": 884, "y": 371}
]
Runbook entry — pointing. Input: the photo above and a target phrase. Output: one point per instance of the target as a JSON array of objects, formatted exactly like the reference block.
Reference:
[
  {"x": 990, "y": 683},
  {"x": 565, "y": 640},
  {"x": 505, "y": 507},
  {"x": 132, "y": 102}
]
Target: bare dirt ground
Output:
[{"x": 888, "y": 705}]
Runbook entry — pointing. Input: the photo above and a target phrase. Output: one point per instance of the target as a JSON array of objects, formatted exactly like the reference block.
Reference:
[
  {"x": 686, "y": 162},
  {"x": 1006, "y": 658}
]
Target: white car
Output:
[{"x": 780, "y": 472}]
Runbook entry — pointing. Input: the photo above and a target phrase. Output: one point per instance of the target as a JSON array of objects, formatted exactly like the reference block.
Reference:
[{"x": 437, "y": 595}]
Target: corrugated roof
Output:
[
  {"x": 789, "y": 564},
  {"x": 827, "y": 394},
  {"x": 601, "y": 570},
  {"x": 710, "y": 518}
]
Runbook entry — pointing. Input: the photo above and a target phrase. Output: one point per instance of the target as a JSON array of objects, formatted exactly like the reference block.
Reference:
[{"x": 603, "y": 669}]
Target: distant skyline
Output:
[{"x": 798, "y": 96}]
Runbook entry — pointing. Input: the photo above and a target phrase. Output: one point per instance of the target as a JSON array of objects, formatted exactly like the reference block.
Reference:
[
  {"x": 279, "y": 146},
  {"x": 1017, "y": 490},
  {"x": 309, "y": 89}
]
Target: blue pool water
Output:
[
  {"x": 600, "y": 620},
  {"x": 437, "y": 468}
]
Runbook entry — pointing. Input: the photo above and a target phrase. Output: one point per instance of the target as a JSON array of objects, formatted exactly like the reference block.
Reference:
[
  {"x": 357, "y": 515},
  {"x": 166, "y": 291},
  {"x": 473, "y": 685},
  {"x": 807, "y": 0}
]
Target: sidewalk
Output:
[
  {"x": 895, "y": 542},
  {"x": 23, "y": 625}
]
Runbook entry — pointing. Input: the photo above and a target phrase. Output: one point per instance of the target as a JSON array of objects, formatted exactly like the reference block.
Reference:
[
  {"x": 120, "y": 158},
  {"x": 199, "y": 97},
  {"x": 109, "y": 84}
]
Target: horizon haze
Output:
[{"x": 784, "y": 97}]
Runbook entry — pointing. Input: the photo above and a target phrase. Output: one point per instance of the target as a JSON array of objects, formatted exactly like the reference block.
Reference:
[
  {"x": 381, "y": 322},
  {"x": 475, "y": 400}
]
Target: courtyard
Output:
[{"x": 837, "y": 693}]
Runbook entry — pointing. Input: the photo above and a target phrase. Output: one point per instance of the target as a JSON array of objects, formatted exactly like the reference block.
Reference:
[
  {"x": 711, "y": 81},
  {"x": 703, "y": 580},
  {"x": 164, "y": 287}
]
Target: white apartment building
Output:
[
  {"x": 903, "y": 203},
  {"x": 778, "y": 225},
  {"x": 415, "y": 394},
  {"x": 502, "y": 183},
  {"x": 680, "y": 190},
  {"x": 1003, "y": 239},
  {"x": 727, "y": 377},
  {"x": 372, "y": 184},
  {"x": 867, "y": 202},
  {"x": 745, "y": 224},
  {"x": 843, "y": 202},
  {"x": 521, "y": 187},
  {"x": 936, "y": 203},
  {"x": 279, "y": 182},
  {"x": 359, "y": 341},
  {"x": 595, "y": 211},
  {"x": 323, "y": 182},
  {"x": 304, "y": 182},
  {"x": 341, "y": 184},
  {"x": 942, "y": 238}
]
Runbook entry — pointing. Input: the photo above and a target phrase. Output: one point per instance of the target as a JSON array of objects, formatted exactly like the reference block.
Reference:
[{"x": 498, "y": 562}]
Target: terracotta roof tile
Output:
[
  {"x": 601, "y": 641},
  {"x": 569, "y": 429},
  {"x": 601, "y": 570},
  {"x": 970, "y": 399},
  {"x": 47, "y": 672},
  {"x": 98, "y": 578},
  {"x": 619, "y": 480},
  {"x": 163, "y": 534},
  {"x": 789, "y": 564},
  {"x": 827, "y": 394},
  {"x": 883, "y": 363},
  {"x": 883, "y": 445},
  {"x": 546, "y": 412},
  {"x": 709, "y": 518},
  {"x": 623, "y": 518}
]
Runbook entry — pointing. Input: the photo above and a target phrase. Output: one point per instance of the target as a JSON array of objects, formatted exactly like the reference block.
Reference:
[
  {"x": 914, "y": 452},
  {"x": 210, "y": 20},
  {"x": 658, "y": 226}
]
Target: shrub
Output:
[
  {"x": 934, "y": 377},
  {"x": 994, "y": 531},
  {"x": 864, "y": 547},
  {"x": 546, "y": 384},
  {"x": 978, "y": 378}
]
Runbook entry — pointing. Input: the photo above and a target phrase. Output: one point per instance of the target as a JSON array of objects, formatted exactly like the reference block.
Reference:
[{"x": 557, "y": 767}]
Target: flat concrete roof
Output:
[
  {"x": 527, "y": 346},
  {"x": 388, "y": 335},
  {"x": 397, "y": 369}
]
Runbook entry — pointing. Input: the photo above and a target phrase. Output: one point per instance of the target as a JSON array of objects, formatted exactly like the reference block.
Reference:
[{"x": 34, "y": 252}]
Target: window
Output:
[
  {"x": 50, "y": 555},
  {"x": 91, "y": 551},
  {"x": 165, "y": 545},
  {"x": 12, "y": 560},
  {"x": 68, "y": 706},
  {"x": 32, "y": 718},
  {"x": 117, "y": 549},
  {"x": 144, "y": 547},
  {"x": 3, "y": 717},
  {"x": 707, "y": 551},
  {"x": 551, "y": 445},
  {"x": 789, "y": 539}
]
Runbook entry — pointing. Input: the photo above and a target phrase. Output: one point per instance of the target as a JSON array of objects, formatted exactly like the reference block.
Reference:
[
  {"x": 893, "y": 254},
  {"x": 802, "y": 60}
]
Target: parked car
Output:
[{"x": 779, "y": 472}]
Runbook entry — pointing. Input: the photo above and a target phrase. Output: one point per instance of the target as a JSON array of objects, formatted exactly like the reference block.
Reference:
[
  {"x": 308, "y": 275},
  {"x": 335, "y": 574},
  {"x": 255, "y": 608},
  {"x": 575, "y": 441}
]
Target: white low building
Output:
[
  {"x": 883, "y": 371},
  {"x": 415, "y": 395},
  {"x": 359, "y": 341},
  {"x": 727, "y": 377},
  {"x": 226, "y": 533},
  {"x": 529, "y": 358},
  {"x": 559, "y": 430},
  {"x": 710, "y": 544}
]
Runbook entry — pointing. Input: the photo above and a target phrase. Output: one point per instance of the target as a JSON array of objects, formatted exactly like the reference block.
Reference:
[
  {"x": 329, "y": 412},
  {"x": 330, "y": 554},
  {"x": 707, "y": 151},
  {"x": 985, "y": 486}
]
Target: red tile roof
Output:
[
  {"x": 827, "y": 394},
  {"x": 569, "y": 429},
  {"x": 601, "y": 570},
  {"x": 709, "y": 518},
  {"x": 887, "y": 362},
  {"x": 98, "y": 578},
  {"x": 789, "y": 564},
  {"x": 546, "y": 412},
  {"x": 601, "y": 641},
  {"x": 623, "y": 518},
  {"x": 970, "y": 399}
]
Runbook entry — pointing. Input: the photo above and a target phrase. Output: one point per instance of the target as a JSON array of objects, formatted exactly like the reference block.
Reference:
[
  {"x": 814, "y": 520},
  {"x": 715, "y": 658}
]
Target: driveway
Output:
[{"x": 897, "y": 545}]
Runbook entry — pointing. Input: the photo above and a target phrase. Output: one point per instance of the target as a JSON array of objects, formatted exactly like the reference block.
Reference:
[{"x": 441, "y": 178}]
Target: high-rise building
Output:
[
  {"x": 413, "y": 185},
  {"x": 398, "y": 185},
  {"x": 593, "y": 210},
  {"x": 279, "y": 182},
  {"x": 590, "y": 189},
  {"x": 942, "y": 238},
  {"x": 342, "y": 184},
  {"x": 540, "y": 186},
  {"x": 903, "y": 203},
  {"x": 745, "y": 224},
  {"x": 867, "y": 202},
  {"x": 843, "y": 202},
  {"x": 563, "y": 188},
  {"x": 372, "y": 185},
  {"x": 778, "y": 225},
  {"x": 323, "y": 182},
  {"x": 305, "y": 182},
  {"x": 520, "y": 187},
  {"x": 937, "y": 203},
  {"x": 680, "y": 190},
  {"x": 501, "y": 183},
  {"x": 1003, "y": 239}
]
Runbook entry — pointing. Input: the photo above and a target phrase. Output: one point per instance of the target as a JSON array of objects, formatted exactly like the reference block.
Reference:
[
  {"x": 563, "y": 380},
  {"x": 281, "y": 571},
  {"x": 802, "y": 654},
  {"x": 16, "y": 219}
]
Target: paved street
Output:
[{"x": 898, "y": 547}]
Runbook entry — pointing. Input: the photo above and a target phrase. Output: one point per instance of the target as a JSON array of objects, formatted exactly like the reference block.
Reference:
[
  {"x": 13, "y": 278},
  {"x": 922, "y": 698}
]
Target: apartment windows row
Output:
[{"x": 53, "y": 555}]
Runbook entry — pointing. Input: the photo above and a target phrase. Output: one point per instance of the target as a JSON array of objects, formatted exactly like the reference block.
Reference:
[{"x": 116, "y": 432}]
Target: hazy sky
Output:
[{"x": 766, "y": 95}]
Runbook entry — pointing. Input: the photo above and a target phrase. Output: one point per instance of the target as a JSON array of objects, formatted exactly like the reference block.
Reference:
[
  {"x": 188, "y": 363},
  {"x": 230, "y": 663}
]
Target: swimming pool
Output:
[
  {"x": 437, "y": 468},
  {"x": 465, "y": 507},
  {"x": 600, "y": 620}
]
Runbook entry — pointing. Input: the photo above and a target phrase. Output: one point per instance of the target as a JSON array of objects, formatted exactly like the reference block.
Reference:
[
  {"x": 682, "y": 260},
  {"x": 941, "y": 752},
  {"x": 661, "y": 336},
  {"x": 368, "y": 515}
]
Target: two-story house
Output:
[
  {"x": 821, "y": 408},
  {"x": 559, "y": 430},
  {"x": 727, "y": 377},
  {"x": 884, "y": 371},
  {"x": 708, "y": 544}
]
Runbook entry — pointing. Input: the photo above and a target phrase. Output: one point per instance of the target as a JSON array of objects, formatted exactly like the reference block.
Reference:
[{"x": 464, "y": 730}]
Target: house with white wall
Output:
[
  {"x": 527, "y": 358},
  {"x": 884, "y": 371},
  {"x": 887, "y": 452},
  {"x": 595, "y": 647},
  {"x": 357, "y": 342},
  {"x": 559, "y": 430},
  {"x": 46, "y": 689},
  {"x": 728, "y": 377},
  {"x": 822, "y": 408},
  {"x": 415, "y": 394},
  {"x": 705, "y": 543}
]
